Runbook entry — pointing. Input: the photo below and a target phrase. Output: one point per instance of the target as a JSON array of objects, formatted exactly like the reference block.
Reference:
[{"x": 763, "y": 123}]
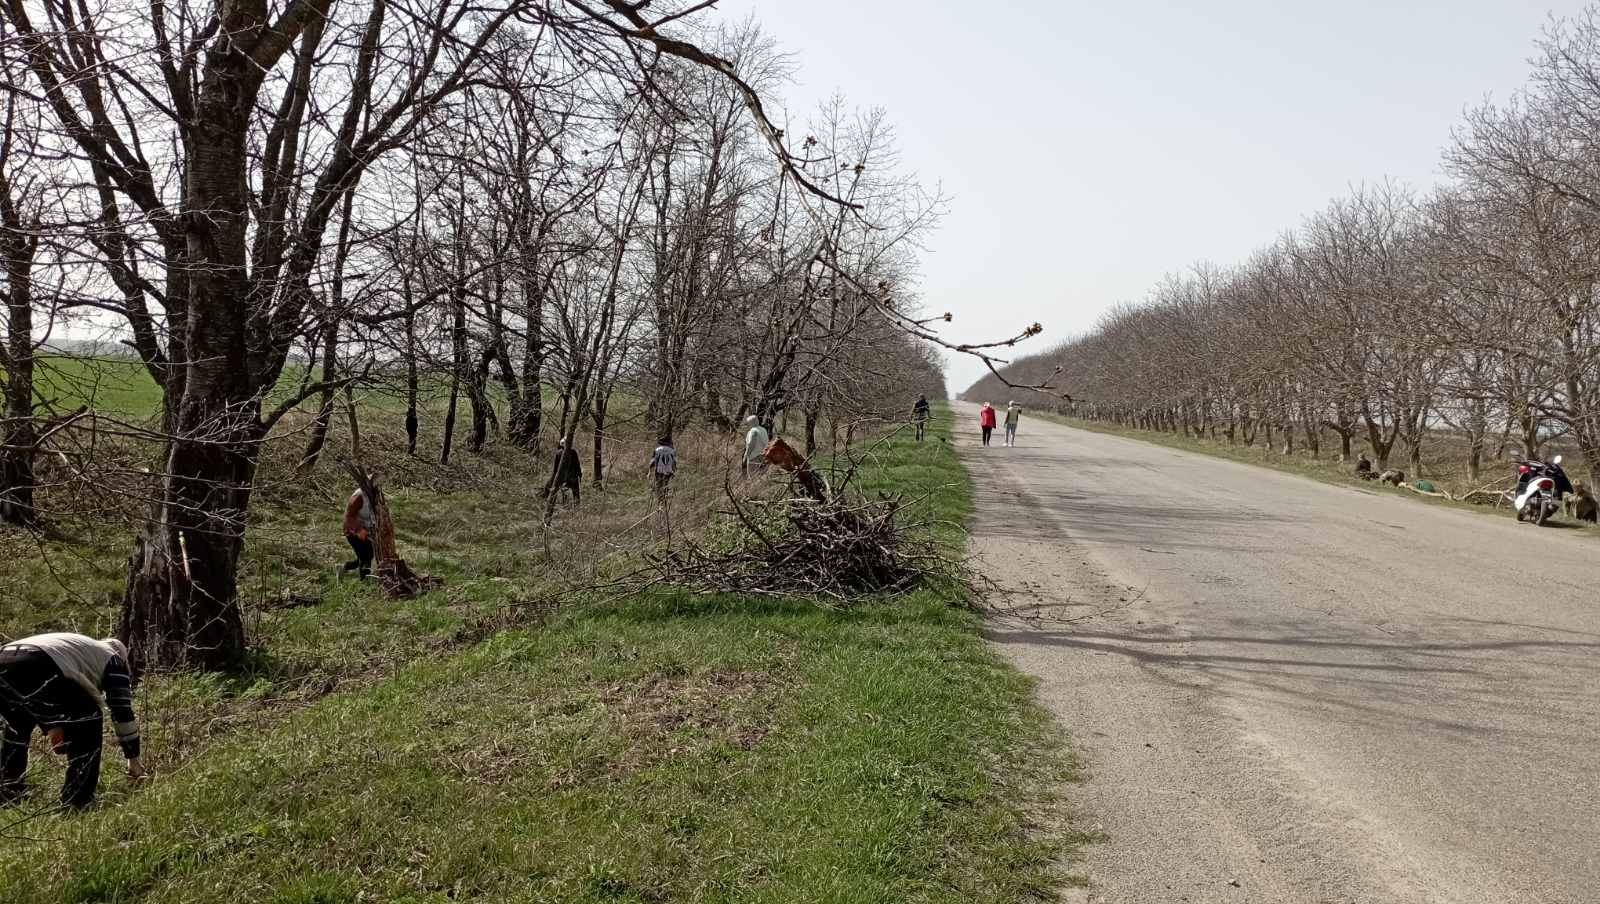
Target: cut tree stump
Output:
[{"x": 394, "y": 575}]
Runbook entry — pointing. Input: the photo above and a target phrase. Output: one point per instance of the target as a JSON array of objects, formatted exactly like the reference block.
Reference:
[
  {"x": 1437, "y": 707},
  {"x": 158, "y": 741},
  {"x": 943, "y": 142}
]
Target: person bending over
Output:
[{"x": 56, "y": 683}]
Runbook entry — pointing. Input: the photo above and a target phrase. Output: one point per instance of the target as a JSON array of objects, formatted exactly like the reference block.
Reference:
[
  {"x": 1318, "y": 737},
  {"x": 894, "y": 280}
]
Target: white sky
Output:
[{"x": 1091, "y": 147}]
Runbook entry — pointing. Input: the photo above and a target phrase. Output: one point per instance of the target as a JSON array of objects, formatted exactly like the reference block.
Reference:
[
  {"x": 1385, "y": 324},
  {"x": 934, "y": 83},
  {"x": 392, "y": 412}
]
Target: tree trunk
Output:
[
  {"x": 599, "y": 412},
  {"x": 1381, "y": 443},
  {"x": 1530, "y": 436},
  {"x": 526, "y": 419},
  {"x": 21, "y": 432},
  {"x": 458, "y": 364},
  {"x": 319, "y": 429},
  {"x": 330, "y": 343},
  {"x": 478, "y": 398},
  {"x": 181, "y": 602},
  {"x": 1504, "y": 440},
  {"x": 181, "y": 607},
  {"x": 392, "y": 572},
  {"x": 450, "y": 420},
  {"x": 355, "y": 424},
  {"x": 411, "y": 383}
]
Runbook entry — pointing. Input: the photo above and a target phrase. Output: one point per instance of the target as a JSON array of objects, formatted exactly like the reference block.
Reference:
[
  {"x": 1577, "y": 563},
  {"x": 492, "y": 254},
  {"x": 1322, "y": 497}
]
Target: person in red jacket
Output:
[
  {"x": 986, "y": 421},
  {"x": 359, "y": 523}
]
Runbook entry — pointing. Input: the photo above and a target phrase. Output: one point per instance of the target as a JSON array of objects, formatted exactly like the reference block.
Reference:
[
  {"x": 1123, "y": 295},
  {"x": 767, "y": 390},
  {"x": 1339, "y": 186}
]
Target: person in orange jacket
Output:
[
  {"x": 986, "y": 421},
  {"x": 359, "y": 523},
  {"x": 57, "y": 683}
]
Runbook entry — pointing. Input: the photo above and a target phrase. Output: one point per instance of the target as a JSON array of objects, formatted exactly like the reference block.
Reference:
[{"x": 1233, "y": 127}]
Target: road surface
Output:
[{"x": 1287, "y": 691}]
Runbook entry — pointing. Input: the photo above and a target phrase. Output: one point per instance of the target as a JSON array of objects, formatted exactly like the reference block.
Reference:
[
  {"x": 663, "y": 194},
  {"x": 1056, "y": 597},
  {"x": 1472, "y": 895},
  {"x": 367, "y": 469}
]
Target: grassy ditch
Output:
[{"x": 656, "y": 748}]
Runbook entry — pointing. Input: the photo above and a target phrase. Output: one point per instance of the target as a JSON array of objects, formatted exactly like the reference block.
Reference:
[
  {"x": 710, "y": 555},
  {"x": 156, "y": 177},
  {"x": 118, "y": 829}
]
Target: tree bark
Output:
[
  {"x": 21, "y": 431},
  {"x": 601, "y": 403},
  {"x": 527, "y": 417},
  {"x": 319, "y": 429},
  {"x": 411, "y": 383},
  {"x": 181, "y": 607},
  {"x": 181, "y": 602},
  {"x": 478, "y": 398}
]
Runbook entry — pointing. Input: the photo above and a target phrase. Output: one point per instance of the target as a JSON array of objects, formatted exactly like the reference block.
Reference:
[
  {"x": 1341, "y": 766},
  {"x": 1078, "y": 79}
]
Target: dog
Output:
[
  {"x": 1580, "y": 504},
  {"x": 1393, "y": 477}
]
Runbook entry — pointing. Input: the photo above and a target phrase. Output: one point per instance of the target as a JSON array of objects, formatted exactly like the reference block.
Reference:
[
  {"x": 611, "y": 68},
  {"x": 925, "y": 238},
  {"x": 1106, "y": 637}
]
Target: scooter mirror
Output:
[{"x": 1557, "y": 459}]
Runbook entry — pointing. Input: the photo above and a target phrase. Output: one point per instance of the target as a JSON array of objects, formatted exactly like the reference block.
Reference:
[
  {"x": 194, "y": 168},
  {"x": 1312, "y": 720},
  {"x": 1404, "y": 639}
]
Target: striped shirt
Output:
[{"x": 98, "y": 668}]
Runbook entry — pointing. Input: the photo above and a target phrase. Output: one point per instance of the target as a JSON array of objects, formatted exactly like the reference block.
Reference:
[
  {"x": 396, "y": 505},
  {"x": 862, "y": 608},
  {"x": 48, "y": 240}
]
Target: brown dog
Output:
[{"x": 1580, "y": 504}]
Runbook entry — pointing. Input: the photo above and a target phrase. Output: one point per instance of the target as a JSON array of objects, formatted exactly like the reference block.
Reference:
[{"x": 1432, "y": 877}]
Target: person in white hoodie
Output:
[
  {"x": 56, "y": 683},
  {"x": 755, "y": 443}
]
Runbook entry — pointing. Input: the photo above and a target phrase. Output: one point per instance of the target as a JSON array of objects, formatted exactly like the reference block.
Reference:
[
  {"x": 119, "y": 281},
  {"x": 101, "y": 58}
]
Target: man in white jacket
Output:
[
  {"x": 755, "y": 443},
  {"x": 56, "y": 683}
]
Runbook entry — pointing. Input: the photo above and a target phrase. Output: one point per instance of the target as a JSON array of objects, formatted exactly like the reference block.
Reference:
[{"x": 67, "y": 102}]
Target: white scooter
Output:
[{"x": 1539, "y": 489}]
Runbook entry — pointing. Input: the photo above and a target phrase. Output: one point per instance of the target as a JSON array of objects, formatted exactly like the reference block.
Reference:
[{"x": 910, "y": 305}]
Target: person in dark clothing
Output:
[
  {"x": 663, "y": 464},
  {"x": 359, "y": 524},
  {"x": 566, "y": 474},
  {"x": 919, "y": 415},
  {"x": 55, "y": 682},
  {"x": 1364, "y": 468}
]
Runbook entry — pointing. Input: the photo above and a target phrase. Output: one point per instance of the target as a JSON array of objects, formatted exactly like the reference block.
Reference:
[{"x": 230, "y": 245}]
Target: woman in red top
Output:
[
  {"x": 359, "y": 522},
  {"x": 986, "y": 421}
]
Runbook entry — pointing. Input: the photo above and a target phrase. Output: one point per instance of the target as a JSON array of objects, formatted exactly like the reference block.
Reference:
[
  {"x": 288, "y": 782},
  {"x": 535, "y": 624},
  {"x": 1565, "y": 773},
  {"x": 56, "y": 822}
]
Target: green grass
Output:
[
  {"x": 658, "y": 748},
  {"x": 122, "y": 387},
  {"x": 116, "y": 386}
]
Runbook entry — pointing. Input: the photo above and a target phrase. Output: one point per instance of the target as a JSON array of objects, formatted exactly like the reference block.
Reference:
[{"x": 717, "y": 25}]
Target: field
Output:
[{"x": 471, "y": 746}]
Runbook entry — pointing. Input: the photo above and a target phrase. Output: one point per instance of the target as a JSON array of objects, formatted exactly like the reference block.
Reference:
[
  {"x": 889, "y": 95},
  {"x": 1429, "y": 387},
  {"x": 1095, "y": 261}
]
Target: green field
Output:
[
  {"x": 656, "y": 748},
  {"x": 116, "y": 386}
]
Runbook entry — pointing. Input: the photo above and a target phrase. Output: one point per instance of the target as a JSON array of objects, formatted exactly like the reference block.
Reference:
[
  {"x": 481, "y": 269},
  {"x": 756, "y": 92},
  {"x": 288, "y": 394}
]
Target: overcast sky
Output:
[{"x": 1090, "y": 147}]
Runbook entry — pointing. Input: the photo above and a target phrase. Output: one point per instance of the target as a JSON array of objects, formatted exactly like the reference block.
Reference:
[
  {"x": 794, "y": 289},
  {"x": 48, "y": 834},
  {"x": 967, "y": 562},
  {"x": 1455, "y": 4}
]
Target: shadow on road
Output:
[{"x": 1457, "y": 686}]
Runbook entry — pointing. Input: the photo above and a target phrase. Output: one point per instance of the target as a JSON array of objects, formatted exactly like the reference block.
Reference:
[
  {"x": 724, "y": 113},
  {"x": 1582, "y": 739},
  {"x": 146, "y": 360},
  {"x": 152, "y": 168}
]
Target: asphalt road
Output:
[{"x": 1287, "y": 691}]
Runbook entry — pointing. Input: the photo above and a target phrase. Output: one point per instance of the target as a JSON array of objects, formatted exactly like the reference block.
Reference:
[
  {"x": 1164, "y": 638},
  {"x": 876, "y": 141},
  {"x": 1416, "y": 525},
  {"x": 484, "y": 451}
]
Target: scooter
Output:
[{"x": 1540, "y": 486}]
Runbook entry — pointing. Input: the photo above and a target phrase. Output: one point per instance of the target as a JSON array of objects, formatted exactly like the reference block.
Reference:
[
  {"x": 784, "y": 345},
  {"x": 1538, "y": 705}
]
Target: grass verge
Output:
[
  {"x": 659, "y": 748},
  {"x": 1326, "y": 469}
]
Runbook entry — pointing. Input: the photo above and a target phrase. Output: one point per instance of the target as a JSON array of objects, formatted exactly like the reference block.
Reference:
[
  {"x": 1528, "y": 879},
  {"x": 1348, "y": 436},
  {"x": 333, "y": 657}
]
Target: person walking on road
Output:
[
  {"x": 1013, "y": 414},
  {"x": 919, "y": 415},
  {"x": 56, "y": 682},
  {"x": 986, "y": 421}
]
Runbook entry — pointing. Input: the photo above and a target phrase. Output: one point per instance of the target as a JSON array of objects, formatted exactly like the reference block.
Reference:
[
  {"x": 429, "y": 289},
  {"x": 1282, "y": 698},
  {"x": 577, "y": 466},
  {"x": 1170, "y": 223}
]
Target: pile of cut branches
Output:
[
  {"x": 823, "y": 541},
  {"x": 840, "y": 548}
]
